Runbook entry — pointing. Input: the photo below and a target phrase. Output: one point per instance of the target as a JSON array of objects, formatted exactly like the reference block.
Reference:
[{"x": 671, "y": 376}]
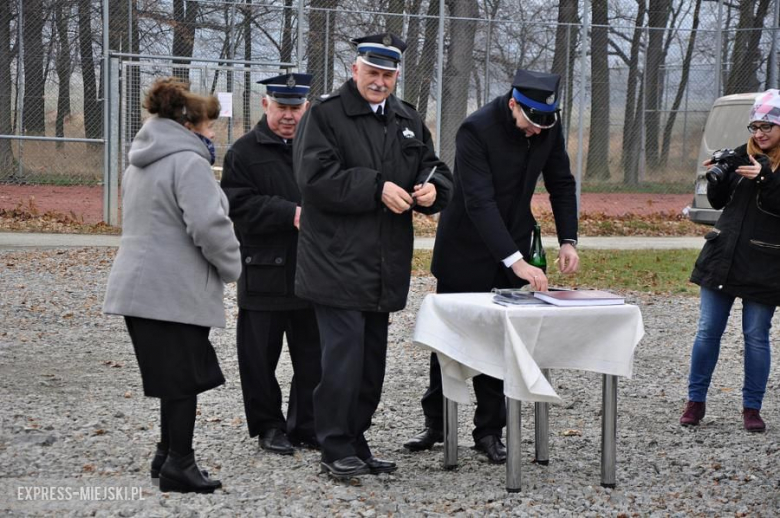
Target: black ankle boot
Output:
[
  {"x": 159, "y": 459},
  {"x": 181, "y": 474}
]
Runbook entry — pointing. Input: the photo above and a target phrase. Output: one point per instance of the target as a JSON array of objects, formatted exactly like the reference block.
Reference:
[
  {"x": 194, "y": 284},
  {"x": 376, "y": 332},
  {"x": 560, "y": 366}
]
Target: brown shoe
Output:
[
  {"x": 752, "y": 420},
  {"x": 694, "y": 412}
]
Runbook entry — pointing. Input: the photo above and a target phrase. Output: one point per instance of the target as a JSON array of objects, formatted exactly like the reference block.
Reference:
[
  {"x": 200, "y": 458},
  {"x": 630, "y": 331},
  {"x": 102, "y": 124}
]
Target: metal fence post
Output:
[
  {"x": 581, "y": 129},
  {"x": 439, "y": 75},
  {"x": 111, "y": 186}
]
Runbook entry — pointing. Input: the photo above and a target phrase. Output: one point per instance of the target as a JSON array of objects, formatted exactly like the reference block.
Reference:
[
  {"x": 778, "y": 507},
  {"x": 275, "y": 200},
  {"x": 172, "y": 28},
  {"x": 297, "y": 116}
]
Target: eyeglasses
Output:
[{"x": 763, "y": 128}]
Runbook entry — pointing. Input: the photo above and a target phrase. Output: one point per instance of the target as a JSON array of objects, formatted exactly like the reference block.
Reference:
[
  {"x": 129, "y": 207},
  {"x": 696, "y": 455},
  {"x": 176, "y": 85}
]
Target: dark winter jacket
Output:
[
  {"x": 496, "y": 171},
  {"x": 353, "y": 252},
  {"x": 741, "y": 255},
  {"x": 259, "y": 182}
]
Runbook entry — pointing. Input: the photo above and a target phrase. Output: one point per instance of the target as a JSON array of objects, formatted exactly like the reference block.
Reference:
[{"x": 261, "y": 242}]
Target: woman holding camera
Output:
[
  {"x": 177, "y": 250},
  {"x": 741, "y": 258}
]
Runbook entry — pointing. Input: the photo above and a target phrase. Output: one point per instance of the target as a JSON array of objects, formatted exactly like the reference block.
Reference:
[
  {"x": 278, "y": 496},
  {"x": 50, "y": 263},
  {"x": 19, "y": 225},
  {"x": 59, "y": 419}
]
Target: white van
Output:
[{"x": 726, "y": 127}]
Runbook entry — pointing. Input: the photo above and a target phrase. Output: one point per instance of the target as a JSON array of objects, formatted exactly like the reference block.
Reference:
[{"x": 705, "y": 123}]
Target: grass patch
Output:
[
  {"x": 644, "y": 187},
  {"x": 648, "y": 271}
]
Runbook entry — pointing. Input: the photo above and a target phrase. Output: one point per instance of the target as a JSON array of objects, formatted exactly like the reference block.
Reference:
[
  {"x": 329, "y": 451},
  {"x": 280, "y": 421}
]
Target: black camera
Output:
[{"x": 724, "y": 161}]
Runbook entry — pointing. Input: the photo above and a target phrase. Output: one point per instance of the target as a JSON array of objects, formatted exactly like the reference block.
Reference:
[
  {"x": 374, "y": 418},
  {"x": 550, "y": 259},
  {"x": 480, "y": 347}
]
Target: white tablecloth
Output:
[{"x": 473, "y": 335}]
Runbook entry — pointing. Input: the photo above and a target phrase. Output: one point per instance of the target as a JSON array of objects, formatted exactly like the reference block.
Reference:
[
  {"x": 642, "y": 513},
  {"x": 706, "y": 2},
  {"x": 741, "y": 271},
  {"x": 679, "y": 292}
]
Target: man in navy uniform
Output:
[
  {"x": 362, "y": 158},
  {"x": 501, "y": 150},
  {"x": 265, "y": 208}
]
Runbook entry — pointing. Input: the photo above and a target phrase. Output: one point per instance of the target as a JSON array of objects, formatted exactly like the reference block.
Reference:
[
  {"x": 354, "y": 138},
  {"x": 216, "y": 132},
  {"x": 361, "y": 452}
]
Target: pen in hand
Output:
[{"x": 427, "y": 178}]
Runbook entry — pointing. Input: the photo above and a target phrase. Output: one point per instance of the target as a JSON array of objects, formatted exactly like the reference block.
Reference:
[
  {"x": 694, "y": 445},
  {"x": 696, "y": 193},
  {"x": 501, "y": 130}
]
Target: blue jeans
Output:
[{"x": 756, "y": 322}]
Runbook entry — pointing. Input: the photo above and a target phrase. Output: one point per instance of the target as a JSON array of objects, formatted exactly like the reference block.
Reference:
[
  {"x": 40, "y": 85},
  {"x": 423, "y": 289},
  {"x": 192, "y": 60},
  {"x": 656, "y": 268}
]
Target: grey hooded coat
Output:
[{"x": 178, "y": 247}]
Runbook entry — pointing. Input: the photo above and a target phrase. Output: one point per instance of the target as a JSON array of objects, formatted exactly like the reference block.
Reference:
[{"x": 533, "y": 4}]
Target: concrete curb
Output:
[{"x": 13, "y": 240}]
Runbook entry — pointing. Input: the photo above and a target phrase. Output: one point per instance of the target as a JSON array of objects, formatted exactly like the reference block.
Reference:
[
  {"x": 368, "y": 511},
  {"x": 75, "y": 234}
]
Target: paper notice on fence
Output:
[{"x": 226, "y": 102}]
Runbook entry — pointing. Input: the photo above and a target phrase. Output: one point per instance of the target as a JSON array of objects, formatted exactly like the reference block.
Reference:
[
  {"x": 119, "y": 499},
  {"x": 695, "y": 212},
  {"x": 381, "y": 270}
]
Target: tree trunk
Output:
[
  {"x": 631, "y": 125},
  {"x": 667, "y": 137},
  {"x": 93, "y": 109},
  {"x": 565, "y": 54},
  {"x": 598, "y": 145},
  {"x": 185, "y": 15},
  {"x": 6, "y": 152},
  {"x": 319, "y": 46},
  {"x": 61, "y": 17},
  {"x": 287, "y": 32},
  {"x": 395, "y": 22},
  {"x": 422, "y": 75},
  {"x": 34, "y": 122},
  {"x": 457, "y": 74},
  {"x": 658, "y": 15},
  {"x": 745, "y": 56},
  {"x": 412, "y": 90}
]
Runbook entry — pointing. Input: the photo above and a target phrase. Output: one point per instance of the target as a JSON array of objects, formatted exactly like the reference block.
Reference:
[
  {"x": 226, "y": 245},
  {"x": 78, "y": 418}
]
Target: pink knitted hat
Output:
[{"x": 767, "y": 107}]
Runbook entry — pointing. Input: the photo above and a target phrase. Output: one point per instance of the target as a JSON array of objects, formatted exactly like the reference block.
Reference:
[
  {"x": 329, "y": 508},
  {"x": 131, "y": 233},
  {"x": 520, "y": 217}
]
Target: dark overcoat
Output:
[
  {"x": 353, "y": 252},
  {"x": 260, "y": 185},
  {"x": 496, "y": 171},
  {"x": 741, "y": 255}
]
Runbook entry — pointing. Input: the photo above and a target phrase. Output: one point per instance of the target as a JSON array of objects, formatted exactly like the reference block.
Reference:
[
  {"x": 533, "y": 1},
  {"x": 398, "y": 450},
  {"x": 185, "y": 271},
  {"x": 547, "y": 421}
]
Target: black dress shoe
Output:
[
  {"x": 159, "y": 459},
  {"x": 276, "y": 441},
  {"x": 377, "y": 466},
  {"x": 424, "y": 440},
  {"x": 492, "y": 446},
  {"x": 181, "y": 474},
  {"x": 347, "y": 467}
]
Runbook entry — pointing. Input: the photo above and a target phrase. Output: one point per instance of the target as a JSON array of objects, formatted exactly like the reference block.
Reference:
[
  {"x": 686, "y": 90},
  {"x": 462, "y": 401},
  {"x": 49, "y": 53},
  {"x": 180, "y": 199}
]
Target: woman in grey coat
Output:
[{"x": 177, "y": 250}]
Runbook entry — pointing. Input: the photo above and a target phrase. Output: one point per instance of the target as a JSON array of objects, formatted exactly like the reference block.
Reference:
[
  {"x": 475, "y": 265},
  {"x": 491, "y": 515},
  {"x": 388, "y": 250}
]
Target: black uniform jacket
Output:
[
  {"x": 353, "y": 252},
  {"x": 489, "y": 218},
  {"x": 741, "y": 255},
  {"x": 260, "y": 185}
]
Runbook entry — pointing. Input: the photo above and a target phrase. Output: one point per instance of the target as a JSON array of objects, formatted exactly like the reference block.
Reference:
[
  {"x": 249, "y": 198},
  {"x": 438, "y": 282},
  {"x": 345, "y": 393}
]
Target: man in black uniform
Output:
[
  {"x": 501, "y": 150},
  {"x": 363, "y": 159},
  {"x": 265, "y": 208}
]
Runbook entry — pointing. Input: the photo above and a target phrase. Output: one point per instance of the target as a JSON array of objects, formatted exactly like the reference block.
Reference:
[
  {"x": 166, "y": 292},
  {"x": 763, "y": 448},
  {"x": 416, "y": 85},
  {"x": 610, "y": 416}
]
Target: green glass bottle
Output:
[{"x": 537, "y": 257}]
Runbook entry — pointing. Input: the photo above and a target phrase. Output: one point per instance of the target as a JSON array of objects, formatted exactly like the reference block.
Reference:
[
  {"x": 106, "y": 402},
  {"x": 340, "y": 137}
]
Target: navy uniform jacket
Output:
[
  {"x": 258, "y": 179},
  {"x": 489, "y": 218},
  {"x": 353, "y": 252}
]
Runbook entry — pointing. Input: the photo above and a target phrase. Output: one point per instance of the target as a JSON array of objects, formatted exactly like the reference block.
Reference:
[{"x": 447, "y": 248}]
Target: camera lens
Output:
[{"x": 715, "y": 174}]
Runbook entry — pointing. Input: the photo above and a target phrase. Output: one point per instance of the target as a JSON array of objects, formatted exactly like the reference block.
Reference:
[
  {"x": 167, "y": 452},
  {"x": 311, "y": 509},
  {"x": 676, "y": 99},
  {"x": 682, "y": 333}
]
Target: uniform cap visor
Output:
[
  {"x": 291, "y": 101},
  {"x": 378, "y": 62},
  {"x": 543, "y": 120}
]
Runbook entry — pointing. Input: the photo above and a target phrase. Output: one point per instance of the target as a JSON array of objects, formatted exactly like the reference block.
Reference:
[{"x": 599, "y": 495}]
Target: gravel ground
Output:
[{"x": 73, "y": 418}]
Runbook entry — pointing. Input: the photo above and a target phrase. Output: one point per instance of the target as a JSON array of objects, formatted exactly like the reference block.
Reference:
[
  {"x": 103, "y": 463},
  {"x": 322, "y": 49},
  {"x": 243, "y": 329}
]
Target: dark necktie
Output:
[{"x": 380, "y": 115}]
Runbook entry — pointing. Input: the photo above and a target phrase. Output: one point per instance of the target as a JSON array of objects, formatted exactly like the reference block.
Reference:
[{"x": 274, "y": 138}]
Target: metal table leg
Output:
[
  {"x": 608, "y": 430},
  {"x": 513, "y": 449},
  {"x": 450, "y": 434},
  {"x": 541, "y": 428}
]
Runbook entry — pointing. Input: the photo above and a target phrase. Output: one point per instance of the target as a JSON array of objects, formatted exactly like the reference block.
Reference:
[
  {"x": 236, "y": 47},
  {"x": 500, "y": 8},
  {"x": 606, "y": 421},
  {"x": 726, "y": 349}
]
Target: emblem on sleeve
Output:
[{"x": 407, "y": 133}]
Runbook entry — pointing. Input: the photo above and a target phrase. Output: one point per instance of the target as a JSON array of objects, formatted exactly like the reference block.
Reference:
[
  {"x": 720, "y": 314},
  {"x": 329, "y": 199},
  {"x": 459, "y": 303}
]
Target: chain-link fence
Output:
[{"x": 638, "y": 79}]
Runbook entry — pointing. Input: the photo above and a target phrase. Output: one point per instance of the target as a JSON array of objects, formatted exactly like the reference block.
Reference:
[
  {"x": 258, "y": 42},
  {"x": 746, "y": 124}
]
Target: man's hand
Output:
[
  {"x": 535, "y": 276},
  {"x": 424, "y": 195},
  {"x": 568, "y": 260},
  {"x": 395, "y": 198},
  {"x": 297, "y": 220}
]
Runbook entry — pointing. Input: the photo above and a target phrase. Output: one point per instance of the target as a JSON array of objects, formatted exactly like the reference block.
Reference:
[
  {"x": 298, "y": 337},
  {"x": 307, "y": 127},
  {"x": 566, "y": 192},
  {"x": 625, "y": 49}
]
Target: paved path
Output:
[{"x": 9, "y": 240}]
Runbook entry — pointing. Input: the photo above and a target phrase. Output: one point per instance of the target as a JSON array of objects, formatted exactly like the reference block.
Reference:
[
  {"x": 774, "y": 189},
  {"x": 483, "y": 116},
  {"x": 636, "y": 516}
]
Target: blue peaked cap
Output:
[{"x": 288, "y": 88}]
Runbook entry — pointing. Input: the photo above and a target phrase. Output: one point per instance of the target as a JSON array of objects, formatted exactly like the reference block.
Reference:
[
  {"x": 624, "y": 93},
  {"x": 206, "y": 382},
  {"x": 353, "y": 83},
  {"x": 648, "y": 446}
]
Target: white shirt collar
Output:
[{"x": 382, "y": 104}]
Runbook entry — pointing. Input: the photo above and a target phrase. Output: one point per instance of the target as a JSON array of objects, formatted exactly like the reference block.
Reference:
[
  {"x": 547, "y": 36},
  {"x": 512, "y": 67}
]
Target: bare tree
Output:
[
  {"x": 93, "y": 115},
  {"x": 659, "y": 11},
  {"x": 598, "y": 145},
  {"x": 745, "y": 57},
  {"x": 419, "y": 78},
  {"x": 185, "y": 15},
  {"x": 61, "y": 18},
  {"x": 686, "y": 66},
  {"x": 395, "y": 24},
  {"x": 34, "y": 16},
  {"x": 6, "y": 153},
  {"x": 319, "y": 47},
  {"x": 460, "y": 61},
  {"x": 632, "y": 122},
  {"x": 565, "y": 52}
]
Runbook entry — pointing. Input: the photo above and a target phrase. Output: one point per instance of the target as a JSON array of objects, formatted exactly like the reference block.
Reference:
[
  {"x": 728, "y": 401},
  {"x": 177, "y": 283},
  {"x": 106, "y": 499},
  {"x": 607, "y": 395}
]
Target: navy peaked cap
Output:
[
  {"x": 288, "y": 88},
  {"x": 536, "y": 90},
  {"x": 381, "y": 50}
]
